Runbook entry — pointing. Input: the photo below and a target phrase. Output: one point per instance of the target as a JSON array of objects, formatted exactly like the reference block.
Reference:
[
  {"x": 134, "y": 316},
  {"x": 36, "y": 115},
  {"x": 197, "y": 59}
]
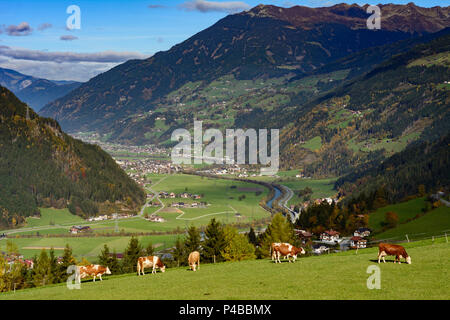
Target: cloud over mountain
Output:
[{"x": 73, "y": 65}]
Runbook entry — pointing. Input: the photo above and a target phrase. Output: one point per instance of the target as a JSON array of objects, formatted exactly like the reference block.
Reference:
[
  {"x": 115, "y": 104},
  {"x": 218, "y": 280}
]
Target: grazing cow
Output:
[
  {"x": 399, "y": 252},
  {"x": 194, "y": 260},
  {"x": 285, "y": 250},
  {"x": 150, "y": 262},
  {"x": 92, "y": 270}
]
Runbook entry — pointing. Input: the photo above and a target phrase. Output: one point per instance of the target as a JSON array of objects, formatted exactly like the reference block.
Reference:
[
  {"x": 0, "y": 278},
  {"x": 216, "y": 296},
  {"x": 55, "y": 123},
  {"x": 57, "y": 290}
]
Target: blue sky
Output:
[{"x": 34, "y": 39}]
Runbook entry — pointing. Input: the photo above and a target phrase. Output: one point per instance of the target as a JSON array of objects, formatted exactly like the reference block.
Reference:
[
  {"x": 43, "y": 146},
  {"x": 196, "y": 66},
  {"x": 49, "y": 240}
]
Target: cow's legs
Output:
[
  {"x": 100, "y": 278},
  {"x": 94, "y": 278}
]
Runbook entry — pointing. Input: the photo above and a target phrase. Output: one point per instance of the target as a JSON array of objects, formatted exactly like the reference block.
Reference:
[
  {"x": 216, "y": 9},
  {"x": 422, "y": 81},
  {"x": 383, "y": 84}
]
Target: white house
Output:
[
  {"x": 330, "y": 235},
  {"x": 362, "y": 232},
  {"x": 358, "y": 243}
]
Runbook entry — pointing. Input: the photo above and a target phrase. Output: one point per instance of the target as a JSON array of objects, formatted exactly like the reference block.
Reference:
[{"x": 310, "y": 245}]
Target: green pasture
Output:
[
  {"x": 404, "y": 210},
  {"x": 88, "y": 248},
  {"x": 342, "y": 276},
  {"x": 433, "y": 223}
]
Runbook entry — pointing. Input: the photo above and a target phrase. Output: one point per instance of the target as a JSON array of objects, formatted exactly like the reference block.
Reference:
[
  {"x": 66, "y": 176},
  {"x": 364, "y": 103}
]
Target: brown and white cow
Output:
[
  {"x": 285, "y": 250},
  {"x": 150, "y": 262},
  {"x": 399, "y": 252},
  {"x": 92, "y": 270},
  {"x": 194, "y": 260}
]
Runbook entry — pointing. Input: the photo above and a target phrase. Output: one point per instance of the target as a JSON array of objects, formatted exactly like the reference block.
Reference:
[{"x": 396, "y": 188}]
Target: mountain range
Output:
[
  {"x": 261, "y": 44},
  {"x": 35, "y": 92}
]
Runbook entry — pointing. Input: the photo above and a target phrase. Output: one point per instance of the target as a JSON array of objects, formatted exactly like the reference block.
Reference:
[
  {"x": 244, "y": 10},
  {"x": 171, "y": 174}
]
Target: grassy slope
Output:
[
  {"x": 337, "y": 276},
  {"x": 404, "y": 210},
  {"x": 55, "y": 216},
  {"x": 433, "y": 223}
]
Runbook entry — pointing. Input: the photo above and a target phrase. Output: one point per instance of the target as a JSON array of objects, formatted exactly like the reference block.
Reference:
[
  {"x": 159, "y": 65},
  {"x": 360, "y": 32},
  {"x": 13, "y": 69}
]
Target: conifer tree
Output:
[
  {"x": 179, "y": 252},
  {"x": 42, "y": 269},
  {"x": 104, "y": 257},
  {"x": 214, "y": 241},
  {"x": 53, "y": 260},
  {"x": 252, "y": 237},
  {"x": 67, "y": 261},
  {"x": 193, "y": 240},
  {"x": 114, "y": 265},
  {"x": 131, "y": 255}
]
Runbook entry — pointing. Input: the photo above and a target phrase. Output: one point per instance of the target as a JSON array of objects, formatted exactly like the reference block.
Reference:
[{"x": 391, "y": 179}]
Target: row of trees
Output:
[
  {"x": 218, "y": 243},
  {"x": 46, "y": 270}
]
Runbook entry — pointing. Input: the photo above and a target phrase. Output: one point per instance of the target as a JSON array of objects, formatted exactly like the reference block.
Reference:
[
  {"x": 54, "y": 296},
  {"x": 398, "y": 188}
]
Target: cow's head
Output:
[
  {"x": 408, "y": 260},
  {"x": 108, "y": 271},
  {"x": 302, "y": 251},
  {"x": 163, "y": 268}
]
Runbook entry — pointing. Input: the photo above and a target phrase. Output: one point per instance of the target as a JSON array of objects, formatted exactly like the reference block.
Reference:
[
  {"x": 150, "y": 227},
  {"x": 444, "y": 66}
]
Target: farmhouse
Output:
[
  {"x": 156, "y": 218},
  {"x": 358, "y": 242},
  {"x": 303, "y": 235},
  {"x": 320, "y": 248},
  {"x": 79, "y": 229},
  {"x": 362, "y": 232},
  {"x": 330, "y": 235}
]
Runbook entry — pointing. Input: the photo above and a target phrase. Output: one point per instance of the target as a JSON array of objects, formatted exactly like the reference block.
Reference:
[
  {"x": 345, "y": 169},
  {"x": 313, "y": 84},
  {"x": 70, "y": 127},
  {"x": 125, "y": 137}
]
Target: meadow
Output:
[
  {"x": 86, "y": 247},
  {"x": 404, "y": 210},
  {"x": 433, "y": 223},
  {"x": 341, "y": 276}
]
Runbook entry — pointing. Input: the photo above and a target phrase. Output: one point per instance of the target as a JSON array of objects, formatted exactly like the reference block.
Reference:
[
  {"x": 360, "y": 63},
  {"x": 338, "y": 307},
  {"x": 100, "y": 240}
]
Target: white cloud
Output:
[
  {"x": 62, "y": 65},
  {"x": 37, "y": 55},
  {"x": 208, "y": 6}
]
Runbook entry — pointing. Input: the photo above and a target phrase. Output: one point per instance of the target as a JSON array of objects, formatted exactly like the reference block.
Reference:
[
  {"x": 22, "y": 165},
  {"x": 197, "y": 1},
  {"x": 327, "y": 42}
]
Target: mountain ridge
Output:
[
  {"x": 246, "y": 46},
  {"x": 36, "y": 92}
]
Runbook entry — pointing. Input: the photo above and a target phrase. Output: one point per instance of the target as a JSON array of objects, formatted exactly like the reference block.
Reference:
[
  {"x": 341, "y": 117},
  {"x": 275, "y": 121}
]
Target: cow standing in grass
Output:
[
  {"x": 92, "y": 271},
  {"x": 285, "y": 250},
  {"x": 150, "y": 262},
  {"x": 399, "y": 252},
  {"x": 194, "y": 260}
]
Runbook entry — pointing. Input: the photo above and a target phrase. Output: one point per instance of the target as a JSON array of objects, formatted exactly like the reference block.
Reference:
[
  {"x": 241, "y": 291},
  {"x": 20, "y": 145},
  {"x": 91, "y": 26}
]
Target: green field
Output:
[
  {"x": 434, "y": 223},
  {"x": 88, "y": 248},
  {"x": 223, "y": 205},
  {"x": 405, "y": 210},
  {"x": 221, "y": 195},
  {"x": 340, "y": 276},
  {"x": 53, "y": 216},
  {"x": 313, "y": 144},
  {"x": 322, "y": 188}
]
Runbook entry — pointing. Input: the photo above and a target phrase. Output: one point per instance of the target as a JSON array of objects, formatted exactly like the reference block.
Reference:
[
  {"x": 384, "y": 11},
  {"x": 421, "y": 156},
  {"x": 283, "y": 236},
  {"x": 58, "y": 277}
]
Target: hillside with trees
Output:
[
  {"x": 41, "y": 166},
  {"x": 361, "y": 123}
]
